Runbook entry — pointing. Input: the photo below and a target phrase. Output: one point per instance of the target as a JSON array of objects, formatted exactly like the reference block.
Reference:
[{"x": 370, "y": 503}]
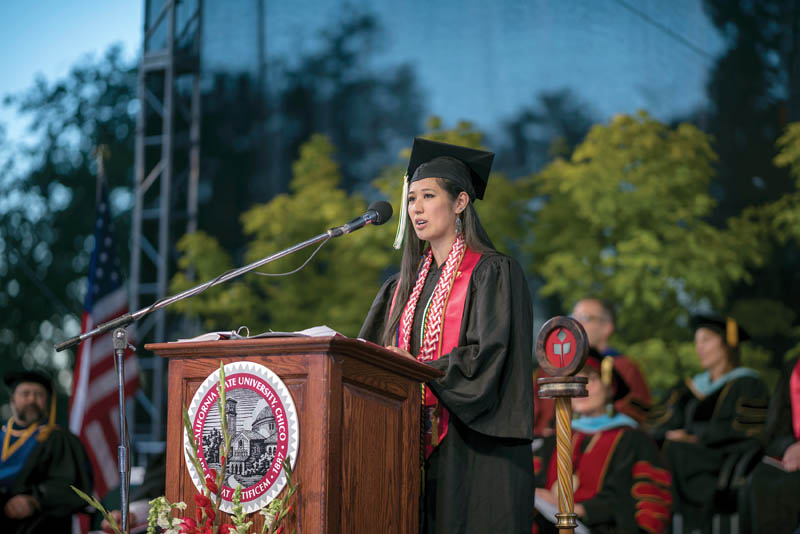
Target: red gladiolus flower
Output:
[
  {"x": 227, "y": 529},
  {"x": 201, "y": 500},
  {"x": 211, "y": 485},
  {"x": 188, "y": 526}
]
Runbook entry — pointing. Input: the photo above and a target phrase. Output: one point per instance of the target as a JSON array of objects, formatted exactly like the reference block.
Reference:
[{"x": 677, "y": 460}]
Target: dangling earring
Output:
[{"x": 459, "y": 225}]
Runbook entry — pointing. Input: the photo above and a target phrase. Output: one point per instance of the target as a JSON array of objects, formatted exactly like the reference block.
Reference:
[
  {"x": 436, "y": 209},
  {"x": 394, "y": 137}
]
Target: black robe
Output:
[
  {"x": 728, "y": 423},
  {"x": 480, "y": 477},
  {"x": 53, "y": 465},
  {"x": 770, "y": 498},
  {"x": 633, "y": 484}
]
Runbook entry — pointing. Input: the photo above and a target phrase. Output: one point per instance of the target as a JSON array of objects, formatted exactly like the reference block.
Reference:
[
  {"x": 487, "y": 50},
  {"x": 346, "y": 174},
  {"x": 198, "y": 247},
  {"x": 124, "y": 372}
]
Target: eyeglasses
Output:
[{"x": 589, "y": 318}]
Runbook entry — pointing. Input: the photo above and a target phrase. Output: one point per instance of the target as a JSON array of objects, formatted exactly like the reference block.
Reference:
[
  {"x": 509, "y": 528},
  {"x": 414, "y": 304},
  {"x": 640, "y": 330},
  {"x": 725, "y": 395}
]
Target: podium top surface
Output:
[{"x": 298, "y": 345}]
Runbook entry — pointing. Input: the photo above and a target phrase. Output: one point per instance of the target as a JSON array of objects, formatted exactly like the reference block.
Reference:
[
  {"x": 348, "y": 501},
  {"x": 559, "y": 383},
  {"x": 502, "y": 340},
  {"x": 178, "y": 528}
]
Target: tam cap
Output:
[
  {"x": 14, "y": 379},
  {"x": 467, "y": 167},
  {"x": 604, "y": 366},
  {"x": 727, "y": 327}
]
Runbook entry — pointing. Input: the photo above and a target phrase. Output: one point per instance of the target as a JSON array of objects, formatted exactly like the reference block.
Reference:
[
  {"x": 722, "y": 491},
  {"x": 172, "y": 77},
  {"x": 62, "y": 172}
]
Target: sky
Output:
[{"x": 46, "y": 37}]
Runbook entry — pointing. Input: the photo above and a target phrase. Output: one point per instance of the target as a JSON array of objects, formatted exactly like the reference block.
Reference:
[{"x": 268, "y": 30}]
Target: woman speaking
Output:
[{"x": 460, "y": 306}]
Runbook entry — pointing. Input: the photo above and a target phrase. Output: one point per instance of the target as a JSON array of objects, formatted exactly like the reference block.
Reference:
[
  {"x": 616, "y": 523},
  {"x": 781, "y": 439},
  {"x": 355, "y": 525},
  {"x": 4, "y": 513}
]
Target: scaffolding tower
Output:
[{"x": 167, "y": 172}]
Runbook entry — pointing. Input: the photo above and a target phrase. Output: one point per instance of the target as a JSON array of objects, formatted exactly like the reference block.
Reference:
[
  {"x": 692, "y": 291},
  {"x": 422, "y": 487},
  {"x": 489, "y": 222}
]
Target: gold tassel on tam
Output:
[
  {"x": 399, "y": 237},
  {"x": 606, "y": 370},
  {"x": 731, "y": 332}
]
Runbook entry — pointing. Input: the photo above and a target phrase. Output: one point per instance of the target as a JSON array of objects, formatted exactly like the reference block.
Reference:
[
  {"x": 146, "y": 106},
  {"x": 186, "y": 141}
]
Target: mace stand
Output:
[{"x": 561, "y": 349}]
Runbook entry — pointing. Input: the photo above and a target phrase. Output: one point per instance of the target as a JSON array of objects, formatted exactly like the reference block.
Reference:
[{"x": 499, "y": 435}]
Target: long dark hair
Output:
[{"x": 475, "y": 237}]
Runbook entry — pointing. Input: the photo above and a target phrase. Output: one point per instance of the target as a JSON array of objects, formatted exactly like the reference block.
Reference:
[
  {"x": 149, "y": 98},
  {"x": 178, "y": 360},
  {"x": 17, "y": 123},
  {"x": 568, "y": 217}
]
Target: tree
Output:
[
  {"x": 329, "y": 290},
  {"x": 48, "y": 196},
  {"x": 624, "y": 219},
  {"x": 753, "y": 89},
  {"x": 784, "y": 216}
]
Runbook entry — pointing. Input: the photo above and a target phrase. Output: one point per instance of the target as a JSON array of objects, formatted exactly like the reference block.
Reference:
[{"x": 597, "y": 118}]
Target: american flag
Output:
[{"x": 94, "y": 404}]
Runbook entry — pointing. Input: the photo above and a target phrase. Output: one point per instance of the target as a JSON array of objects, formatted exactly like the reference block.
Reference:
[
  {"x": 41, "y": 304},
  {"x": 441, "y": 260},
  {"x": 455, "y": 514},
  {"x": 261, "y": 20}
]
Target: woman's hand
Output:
[
  {"x": 791, "y": 458},
  {"x": 400, "y": 351},
  {"x": 546, "y": 495},
  {"x": 552, "y": 497},
  {"x": 681, "y": 435}
]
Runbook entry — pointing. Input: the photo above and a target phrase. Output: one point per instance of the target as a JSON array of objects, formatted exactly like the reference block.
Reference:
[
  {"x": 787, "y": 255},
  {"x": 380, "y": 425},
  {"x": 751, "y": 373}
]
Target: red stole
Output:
[
  {"x": 436, "y": 416},
  {"x": 794, "y": 394},
  {"x": 590, "y": 465}
]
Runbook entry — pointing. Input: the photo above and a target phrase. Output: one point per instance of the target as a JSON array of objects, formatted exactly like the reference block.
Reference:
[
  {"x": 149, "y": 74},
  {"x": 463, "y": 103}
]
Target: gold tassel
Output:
[
  {"x": 399, "y": 237},
  {"x": 731, "y": 332},
  {"x": 606, "y": 370}
]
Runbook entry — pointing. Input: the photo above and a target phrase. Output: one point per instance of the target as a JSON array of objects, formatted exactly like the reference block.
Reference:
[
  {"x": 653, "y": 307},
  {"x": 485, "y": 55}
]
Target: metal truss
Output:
[{"x": 167, "y": 171}]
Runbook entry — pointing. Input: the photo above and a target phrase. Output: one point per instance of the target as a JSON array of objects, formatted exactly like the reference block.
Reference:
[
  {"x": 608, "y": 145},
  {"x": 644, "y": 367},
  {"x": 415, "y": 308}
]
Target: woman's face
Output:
[
  {"x": 595, "y": 403},
  {"x": 711, "y": 350},
  {"x": 431, "y": 210}
]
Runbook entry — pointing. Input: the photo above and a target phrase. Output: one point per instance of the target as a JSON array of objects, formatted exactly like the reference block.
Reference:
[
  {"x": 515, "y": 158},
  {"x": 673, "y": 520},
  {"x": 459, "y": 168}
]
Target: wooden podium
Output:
[{"x": 358, "y": 409}]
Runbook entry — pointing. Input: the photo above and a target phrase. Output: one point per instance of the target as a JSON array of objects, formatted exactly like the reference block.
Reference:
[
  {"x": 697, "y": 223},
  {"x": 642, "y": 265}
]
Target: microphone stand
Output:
[{"x": 120, "y": 339}]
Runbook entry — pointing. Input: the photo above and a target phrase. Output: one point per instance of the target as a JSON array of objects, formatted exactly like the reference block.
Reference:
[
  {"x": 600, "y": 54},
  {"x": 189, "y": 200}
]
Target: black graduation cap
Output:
[
  {"x": 14, "y": 379},
  {"x": 604, "y": 366},
  {"x": 727, "y": 327},
  {"x": 467, "y": 167}
]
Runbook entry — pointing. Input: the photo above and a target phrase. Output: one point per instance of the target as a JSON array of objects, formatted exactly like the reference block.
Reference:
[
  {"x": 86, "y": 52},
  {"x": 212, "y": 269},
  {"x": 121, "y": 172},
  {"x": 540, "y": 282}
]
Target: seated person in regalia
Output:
[
  {"x": 620, "y": 482},
  {"x": 708, "y": 422}
]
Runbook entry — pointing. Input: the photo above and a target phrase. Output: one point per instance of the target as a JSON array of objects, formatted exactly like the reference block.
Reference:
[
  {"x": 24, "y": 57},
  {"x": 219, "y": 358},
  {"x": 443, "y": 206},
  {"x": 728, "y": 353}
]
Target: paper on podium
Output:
[{"x": 314, "y": 331}]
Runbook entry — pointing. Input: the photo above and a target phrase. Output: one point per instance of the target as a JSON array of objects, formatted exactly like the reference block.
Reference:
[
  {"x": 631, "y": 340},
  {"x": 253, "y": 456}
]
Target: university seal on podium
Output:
[{"x": 262, "y": 422}]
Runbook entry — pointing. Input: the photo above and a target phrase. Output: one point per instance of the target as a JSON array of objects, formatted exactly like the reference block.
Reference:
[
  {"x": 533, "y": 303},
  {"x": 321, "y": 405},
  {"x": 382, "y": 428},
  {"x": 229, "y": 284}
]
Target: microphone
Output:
[{"x": 377, "y": 213}]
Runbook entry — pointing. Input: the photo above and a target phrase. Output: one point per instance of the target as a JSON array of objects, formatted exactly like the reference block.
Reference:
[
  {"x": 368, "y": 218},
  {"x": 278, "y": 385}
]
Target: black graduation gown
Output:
[
  {"x": 480, "y": 477},
  {"x": 770, "y": 499},
  {"x": 53, "y": 465},
  {"x": 728, "y": 423},
  {"x": 633, "y": 491}
]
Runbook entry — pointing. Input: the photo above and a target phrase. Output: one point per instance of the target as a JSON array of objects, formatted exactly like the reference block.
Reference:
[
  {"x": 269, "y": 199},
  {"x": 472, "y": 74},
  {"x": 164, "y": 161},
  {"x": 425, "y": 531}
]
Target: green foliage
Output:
[
  {"x": 793, "y": 352},
  {"x": 785, "y": 212},
  {"x": 97, "y": 505},
  {"x": 47, "y": 198},
  {"x": 624, "y": 219},
  {"x": 331, "y": 289},
  {"x": 760, "y": 358},
  {"x": 665, "y": 362}
]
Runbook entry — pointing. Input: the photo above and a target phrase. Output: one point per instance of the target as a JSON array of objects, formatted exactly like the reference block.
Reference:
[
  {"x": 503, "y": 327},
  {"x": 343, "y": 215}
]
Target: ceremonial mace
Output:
[{"x": 561, "y": 349}]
